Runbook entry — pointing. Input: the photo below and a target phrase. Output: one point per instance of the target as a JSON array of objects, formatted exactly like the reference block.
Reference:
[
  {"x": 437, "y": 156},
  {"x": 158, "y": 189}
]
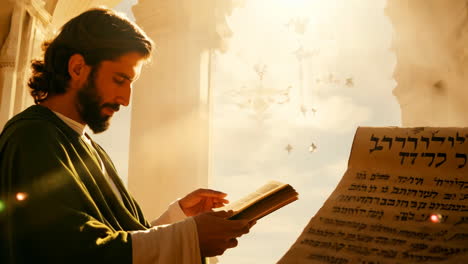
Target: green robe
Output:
[{"x": 70, "y": 214}]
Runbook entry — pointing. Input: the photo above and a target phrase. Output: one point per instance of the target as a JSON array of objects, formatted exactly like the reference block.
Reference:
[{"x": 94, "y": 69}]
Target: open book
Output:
[{"x": 265, "y": 200}]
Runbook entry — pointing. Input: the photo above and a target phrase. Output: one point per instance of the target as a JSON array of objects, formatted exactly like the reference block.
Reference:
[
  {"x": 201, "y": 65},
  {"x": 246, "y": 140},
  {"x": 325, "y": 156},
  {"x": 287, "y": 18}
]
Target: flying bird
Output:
[{"x": 312, "y": 147}]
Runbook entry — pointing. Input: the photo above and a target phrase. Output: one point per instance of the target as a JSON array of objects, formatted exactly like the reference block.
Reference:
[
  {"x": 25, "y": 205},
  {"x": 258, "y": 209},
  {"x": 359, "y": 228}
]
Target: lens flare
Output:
[
  {"x": 435, "y": 218},
  {"x": 2, "y": 206},
  {"x": 21, "y": 196}
]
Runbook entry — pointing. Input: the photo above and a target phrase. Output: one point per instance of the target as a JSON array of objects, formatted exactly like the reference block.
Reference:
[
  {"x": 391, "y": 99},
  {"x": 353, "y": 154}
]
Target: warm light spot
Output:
[
  {"x": 21, "y": 196},
  {"x": 2, "y": 206},
  {"x": 435, "y": 218}
]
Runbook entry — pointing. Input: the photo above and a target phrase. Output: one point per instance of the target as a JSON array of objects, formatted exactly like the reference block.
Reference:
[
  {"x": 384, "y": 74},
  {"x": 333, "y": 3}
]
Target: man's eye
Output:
[{"x": 119, "y": 80}]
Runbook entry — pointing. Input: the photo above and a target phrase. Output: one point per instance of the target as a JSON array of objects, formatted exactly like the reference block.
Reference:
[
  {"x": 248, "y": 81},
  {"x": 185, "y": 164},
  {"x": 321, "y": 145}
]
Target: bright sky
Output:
[{"x": 346, "y": 79}]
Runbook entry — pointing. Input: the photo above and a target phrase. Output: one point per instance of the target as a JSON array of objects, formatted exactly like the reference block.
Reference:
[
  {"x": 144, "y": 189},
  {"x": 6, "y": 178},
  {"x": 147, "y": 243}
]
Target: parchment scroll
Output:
[{"x": 403, "y": 199}]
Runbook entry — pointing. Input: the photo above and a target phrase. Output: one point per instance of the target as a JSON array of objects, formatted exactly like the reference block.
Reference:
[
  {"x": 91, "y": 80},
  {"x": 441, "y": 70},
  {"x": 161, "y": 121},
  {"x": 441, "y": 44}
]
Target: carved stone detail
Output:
[
  {"x": 431, "y": 61},
  {"x": 67, "y": 9},
  {"x": 37, "y": 9},
  {"x": 204, "y": 17},
  {"x": 7, "y": 64},
  {"x": 28, "y": 23}
]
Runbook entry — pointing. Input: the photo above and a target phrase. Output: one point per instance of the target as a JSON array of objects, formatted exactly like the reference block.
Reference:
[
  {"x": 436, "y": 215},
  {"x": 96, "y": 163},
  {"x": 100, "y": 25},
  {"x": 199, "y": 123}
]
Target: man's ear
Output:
[{"x": 77, "y": 68}]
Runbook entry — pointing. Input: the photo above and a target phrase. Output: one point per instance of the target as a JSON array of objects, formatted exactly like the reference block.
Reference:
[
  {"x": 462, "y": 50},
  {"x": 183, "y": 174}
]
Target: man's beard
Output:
[{"x": 89, "y": 105}]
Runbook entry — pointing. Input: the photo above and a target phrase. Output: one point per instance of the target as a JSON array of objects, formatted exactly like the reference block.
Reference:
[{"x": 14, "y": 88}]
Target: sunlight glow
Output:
[
  {"x": 298, "y": 78},
  {"x": 307, "y": 8}
]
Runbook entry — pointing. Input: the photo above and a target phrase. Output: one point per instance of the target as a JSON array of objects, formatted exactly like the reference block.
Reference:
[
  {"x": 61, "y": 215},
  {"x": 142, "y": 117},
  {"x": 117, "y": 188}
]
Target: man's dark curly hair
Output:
[{"x": 97, "y": 34}]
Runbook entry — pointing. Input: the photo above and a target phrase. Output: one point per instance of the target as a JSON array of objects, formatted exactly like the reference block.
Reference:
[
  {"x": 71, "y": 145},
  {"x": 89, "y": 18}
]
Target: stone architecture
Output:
[
  {"x": 170, "y": 114},
  {"x": 430, "y": 41},
  {"x": 27, "y": 26},
  {"x": 169, "y": 148}
]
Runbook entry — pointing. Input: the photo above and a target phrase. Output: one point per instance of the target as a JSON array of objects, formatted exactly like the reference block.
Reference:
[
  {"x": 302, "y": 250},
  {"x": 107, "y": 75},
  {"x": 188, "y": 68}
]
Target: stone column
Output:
[
  {"x": 170, "y": 105},
  {"x": 27, "y": 29},
  {"x": 65, "y": 10},
  {"x": 430, "y": 40}
]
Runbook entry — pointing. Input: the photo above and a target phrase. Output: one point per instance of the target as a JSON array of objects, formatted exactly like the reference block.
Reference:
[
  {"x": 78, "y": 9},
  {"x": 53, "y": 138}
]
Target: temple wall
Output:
[{"x": 430, "y": 40}]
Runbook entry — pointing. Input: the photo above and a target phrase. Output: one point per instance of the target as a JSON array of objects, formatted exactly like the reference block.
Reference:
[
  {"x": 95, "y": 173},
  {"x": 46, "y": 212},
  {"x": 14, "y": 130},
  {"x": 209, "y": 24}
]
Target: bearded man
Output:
[{"x": 64, "y": 202}]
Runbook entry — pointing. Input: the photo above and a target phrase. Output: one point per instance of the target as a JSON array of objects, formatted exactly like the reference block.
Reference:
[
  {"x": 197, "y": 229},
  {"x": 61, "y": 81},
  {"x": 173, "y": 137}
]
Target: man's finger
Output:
[
  {"x": 232, "y": 243},
  {"x": 208, "y": 203},
  {"x": 239, "y": 227},
  {"x": 222, "y": 214},
  {"x": 224, "y": 201},
  {"x": 210, "y": 193},
  {"x": 218, "y": 204},
  {"x": 219, "y": 200}
]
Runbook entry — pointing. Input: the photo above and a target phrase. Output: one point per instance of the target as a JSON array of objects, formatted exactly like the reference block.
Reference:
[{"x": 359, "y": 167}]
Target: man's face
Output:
[{"x": 108, "y": 86}]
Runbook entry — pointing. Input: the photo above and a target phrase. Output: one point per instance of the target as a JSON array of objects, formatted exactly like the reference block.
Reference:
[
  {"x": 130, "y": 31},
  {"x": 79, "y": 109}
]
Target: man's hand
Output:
[
  {"x": 201, "y": 201},
  {"x": 216, "y": 233}
]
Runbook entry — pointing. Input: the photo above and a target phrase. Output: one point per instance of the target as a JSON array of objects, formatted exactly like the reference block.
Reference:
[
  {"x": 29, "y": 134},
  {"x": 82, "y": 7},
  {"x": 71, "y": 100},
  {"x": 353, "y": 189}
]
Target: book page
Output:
[
  {"x": 403, "y": 199},
  {"x": 245, "y": 201}
]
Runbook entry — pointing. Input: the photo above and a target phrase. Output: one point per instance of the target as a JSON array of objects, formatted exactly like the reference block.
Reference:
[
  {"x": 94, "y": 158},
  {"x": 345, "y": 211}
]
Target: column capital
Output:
[
  {"x": 7, "y": 63},
  {"x": 206, "y": 18},
  {"x": 37, "y": 9},
  {"x": 66, "y": 9}
]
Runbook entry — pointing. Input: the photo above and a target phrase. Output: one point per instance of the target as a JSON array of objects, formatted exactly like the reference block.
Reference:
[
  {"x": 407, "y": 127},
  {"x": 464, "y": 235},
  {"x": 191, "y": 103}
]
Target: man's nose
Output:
[{"x": 123, "y": 98}]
